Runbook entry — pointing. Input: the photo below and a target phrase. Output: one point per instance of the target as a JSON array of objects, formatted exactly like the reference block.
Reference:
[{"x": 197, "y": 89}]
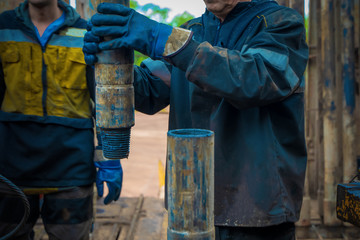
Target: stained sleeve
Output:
[
  {"x": 268, "y": 68},
  {"x": 90, "y": 81},
  {"x": 151, "y": 93}
]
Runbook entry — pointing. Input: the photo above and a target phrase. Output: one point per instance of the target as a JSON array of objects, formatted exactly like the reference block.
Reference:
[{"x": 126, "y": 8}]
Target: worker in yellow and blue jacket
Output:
[{"x": 46, "y": 120}]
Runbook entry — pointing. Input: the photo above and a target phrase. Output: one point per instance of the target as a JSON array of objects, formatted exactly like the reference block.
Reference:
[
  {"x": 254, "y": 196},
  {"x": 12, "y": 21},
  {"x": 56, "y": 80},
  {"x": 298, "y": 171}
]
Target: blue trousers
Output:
[{"x": 65, "y": 214}]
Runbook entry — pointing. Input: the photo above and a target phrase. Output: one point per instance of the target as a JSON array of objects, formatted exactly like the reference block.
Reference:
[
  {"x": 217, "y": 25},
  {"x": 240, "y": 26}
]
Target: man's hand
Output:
[
  {"x": 111, "y": 172},
  {"x": 128, "y": 29},
  {"x": 91, "y": 46}
]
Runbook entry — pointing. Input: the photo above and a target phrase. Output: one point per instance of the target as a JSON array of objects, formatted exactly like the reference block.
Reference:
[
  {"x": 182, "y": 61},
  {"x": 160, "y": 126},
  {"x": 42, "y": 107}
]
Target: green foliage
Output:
[
  {"x": 180, "y": 19},
  {"x": 307, "y": 26},
  {"x": 161, "y": 15},
  {"x": 139, "y": 57},
  {"x": 134, "y": 4},
  {"x": 155, "y": 12}
]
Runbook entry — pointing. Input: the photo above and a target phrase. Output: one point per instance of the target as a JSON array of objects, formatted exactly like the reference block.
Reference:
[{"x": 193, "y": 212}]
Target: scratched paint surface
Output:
[
  {"x": 115, "y": 107},
  {"x": 190, "y": 184},
  {"x": 114, "y": 74},
  {"x": 114, "y": 96}
]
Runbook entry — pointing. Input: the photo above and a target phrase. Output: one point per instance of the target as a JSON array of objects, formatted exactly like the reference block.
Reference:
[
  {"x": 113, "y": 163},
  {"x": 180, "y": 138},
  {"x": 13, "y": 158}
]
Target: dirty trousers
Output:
[{"x": 65, "y": 215}]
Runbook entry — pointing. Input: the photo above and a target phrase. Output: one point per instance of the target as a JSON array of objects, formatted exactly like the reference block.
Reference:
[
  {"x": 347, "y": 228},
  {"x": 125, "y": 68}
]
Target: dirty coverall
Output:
[
  {"x": 243, "y": 79},
  {"x": 46, "y": 126}
]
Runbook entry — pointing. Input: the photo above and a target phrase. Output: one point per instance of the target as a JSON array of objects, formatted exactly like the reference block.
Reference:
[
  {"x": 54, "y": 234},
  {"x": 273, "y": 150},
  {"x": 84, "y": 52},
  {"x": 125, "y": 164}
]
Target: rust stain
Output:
[{"x": 190, "y": 184}]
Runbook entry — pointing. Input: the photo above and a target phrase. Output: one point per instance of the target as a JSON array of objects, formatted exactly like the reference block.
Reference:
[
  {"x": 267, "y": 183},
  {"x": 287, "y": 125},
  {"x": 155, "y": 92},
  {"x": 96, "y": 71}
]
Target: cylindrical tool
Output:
[
  {"x": 115, "y": 98},
  {"x": 190, "y": 178}
]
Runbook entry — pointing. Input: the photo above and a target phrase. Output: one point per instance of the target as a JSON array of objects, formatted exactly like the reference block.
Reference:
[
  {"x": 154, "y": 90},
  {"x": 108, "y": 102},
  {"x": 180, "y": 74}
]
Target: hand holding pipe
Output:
[
  {"x": 123, "y": 28},
  {"x": 114, "y": 97},
  {"x": 130, "y": 29}
]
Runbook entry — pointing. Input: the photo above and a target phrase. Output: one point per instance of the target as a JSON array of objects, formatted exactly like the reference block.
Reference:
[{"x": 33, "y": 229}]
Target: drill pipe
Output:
[
  {"x": 190, "y": 181},
  {"x": 115, "y": 98}
]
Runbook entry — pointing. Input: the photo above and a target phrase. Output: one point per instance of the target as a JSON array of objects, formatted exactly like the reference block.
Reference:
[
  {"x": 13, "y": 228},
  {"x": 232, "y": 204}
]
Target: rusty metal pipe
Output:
[
  {"x": 330, "y": 106},
  {"x": 319, "y": 132},
  {"x": 190, "y": 178},
  {"x": 115, "y": 97}
]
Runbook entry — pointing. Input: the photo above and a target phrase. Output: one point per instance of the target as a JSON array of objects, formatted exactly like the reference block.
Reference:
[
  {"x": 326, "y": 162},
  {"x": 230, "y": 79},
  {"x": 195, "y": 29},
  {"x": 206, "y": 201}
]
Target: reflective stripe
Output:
[
  {"x": 277, "y": 60},
  {"x": 71, "y": 37},
  {"x": 11, "y": 35},
  {"x": 73, "y": 32},
  {"x": 66, "y": 41}
]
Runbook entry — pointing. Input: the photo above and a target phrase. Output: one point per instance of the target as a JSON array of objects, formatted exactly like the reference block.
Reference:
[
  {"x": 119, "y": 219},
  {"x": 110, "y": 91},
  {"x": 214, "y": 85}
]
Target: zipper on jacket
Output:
[
  {"x": 44, "y": 80},
  {"x": 217, "y": 33}
]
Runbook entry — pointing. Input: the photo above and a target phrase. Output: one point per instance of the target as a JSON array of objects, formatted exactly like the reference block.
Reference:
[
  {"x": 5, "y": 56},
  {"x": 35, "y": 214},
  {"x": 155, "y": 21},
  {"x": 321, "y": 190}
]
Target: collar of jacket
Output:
[
  {"x": 240, "y": 7},
  {"x": 22, "y": 13}
]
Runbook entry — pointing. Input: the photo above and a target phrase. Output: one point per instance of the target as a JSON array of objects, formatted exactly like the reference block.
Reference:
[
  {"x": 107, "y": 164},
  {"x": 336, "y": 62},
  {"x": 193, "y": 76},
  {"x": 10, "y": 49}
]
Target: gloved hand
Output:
[
  {"x": 128, "y": 29},
  {"x": 111, "y": 172},
  {"x": 91, "y": 45}
]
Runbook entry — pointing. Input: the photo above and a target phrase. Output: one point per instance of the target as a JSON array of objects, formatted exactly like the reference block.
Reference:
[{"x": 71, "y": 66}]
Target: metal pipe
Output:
[
  {"x": 330, "y": 121},
  {"x": 298, "y": 5},
  {"x": 310, "y": 115},
  {"x": 190, "y": 178},
  {"x": 115, "y": 97},
  {"x": 283, "y": 2},
  {"x": 348, "y": 84},
  {"x": 357, "y": 98},
  {"x": 85, "y": 8},
  {"x": 319, "y": 129}
]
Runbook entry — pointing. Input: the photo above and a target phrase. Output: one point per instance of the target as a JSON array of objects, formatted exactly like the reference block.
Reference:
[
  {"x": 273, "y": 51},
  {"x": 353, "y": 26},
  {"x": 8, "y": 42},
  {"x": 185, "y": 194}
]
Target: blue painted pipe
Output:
[
  {"x": 190, "y": 182},
  {"x": 115, "y": 111}
]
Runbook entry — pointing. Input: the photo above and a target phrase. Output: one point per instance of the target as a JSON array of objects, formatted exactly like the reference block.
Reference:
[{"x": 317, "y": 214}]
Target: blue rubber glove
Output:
[
  {"x": 91, "y": 45},
  {"x": 111, "y": 172},
  {"x": 129, "y": 29}
]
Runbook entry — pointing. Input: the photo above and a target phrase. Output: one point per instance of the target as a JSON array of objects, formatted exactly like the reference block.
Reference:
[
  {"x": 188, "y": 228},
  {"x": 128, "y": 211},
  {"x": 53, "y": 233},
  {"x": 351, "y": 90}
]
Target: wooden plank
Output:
[
  {"x": 163, "y": 235},
  {"x": 113, "y": 220},
  {"x": 130, "y": 234},
  {"x": 106, "y": 231},
  {"x": 150, "y": 223},
  {"x": 40, "y": 233},
  {"x": 123, "y": 233}
]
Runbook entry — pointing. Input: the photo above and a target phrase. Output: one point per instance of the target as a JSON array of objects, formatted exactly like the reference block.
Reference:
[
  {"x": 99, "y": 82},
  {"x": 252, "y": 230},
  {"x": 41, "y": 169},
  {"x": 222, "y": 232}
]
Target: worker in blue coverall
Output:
[
  {"x": 46, "y": 122},
  {"x": 238, "y": 71}
]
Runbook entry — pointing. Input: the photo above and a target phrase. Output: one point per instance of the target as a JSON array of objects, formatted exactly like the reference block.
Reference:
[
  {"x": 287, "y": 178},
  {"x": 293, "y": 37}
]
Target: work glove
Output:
[
  {"x": 128, "y": 29},
  {"x": 109, "y": 171},
  {"x": 91, "y": 45}
]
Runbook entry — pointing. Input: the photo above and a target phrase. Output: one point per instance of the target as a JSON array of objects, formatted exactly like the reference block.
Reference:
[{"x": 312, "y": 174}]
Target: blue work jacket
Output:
[{"x": 243, "y": 79}]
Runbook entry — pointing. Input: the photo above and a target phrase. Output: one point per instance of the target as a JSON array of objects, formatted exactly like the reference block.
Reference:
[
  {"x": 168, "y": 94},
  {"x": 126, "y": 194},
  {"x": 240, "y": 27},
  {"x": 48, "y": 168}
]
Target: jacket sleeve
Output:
[
  {"x": 268, "y": 67},
  {"x": 152, "y": 94},
  {"x": 90, "y": 81}
]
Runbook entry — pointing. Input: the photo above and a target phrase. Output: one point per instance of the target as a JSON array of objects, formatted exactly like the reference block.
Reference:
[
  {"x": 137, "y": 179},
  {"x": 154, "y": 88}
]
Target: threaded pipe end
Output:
[{"x": 116, "y": 143}]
